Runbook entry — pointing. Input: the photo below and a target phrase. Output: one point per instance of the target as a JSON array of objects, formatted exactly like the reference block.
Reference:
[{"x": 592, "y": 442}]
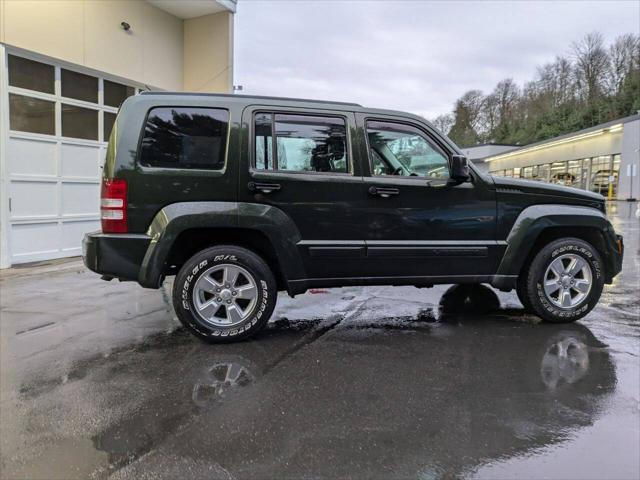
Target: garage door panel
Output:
[
  {"x": 72, "y": 233},
  {"x": 80, "y": 161},
  {"x": 31, "y": 157},
  {"x": 80, "y": 199},
  {"x": 33, "y": 199},
  {"x": 31, "y": 239}
]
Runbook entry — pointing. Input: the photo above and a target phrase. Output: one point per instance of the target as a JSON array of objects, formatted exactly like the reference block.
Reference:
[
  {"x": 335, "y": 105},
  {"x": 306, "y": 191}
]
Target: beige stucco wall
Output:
[
  {"x": 160, "y": 50},
  {"x": 604, "y": 144},
  {"x": 208, "y": 53}
]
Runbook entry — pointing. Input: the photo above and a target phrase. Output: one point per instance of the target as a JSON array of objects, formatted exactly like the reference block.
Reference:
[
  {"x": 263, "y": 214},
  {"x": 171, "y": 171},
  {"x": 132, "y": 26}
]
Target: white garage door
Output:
[{"x": 59, "y": 120}]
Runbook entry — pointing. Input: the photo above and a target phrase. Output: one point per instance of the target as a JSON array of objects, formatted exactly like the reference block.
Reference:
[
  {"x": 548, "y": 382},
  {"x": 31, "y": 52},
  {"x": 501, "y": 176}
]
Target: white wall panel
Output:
[
  {"x": 79, "y": 161},
  {"x": 33, "y": 199},
  {"x": 32, "y": 157},
  {"x": 80, "y": 198},
  {"x": 72, "y": 231},
  {"x": 32, "y": 239}
]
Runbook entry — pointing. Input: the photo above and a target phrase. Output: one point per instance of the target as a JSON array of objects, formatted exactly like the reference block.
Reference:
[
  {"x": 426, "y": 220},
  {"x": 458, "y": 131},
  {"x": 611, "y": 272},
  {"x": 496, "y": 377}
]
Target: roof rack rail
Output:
[{"x": 257, "y": 97}]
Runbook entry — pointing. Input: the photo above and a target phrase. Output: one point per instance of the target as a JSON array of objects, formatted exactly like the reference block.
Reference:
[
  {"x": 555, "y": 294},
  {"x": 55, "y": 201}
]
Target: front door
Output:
[
  {"x": 302, "y": 163},
  {"x": 420, "y": 223}
]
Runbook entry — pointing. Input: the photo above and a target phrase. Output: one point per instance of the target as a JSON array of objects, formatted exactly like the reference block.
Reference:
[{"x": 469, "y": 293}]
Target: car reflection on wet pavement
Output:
[{"x": 99, "y": 381}]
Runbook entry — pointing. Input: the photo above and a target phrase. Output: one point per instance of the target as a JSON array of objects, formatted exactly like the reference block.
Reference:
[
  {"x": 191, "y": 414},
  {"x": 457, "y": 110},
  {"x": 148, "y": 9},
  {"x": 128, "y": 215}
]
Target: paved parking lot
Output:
[{"x": 98, "y": 380}]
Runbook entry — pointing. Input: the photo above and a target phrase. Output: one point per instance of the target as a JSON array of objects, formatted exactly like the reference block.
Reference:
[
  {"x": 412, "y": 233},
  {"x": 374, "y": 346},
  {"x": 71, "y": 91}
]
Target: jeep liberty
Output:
[{"x": 240, "y": 197}]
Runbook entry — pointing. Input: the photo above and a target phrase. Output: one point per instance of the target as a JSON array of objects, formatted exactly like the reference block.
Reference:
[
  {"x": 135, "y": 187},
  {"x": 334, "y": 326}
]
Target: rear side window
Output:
[
  {"x": 185, "y": 137},
  {"x": 303, "y": 143}
]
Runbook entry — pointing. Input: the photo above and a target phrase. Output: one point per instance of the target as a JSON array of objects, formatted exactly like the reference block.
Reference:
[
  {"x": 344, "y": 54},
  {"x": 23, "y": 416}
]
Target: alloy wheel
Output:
[
  {"x": 567, "y": 281},
  {"x": 225, "y": 295}
]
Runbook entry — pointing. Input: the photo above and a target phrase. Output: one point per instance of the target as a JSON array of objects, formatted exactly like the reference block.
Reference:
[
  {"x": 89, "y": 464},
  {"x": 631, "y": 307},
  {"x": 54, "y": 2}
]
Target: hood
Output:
[{"x": 548, "y": 189}]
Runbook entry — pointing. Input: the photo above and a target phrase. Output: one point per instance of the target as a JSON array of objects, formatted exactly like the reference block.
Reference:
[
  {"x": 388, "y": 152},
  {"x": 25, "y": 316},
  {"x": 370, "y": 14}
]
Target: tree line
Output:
[{"x": 593, "y": 84}]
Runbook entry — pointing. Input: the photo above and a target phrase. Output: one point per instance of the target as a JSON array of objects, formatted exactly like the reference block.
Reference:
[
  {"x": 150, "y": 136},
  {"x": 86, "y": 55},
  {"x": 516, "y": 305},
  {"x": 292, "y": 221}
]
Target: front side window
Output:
[
  {"x": 303, "y": 143},
  {"x": 185, "y": 137},
  {"x": 399, "y": 149}
]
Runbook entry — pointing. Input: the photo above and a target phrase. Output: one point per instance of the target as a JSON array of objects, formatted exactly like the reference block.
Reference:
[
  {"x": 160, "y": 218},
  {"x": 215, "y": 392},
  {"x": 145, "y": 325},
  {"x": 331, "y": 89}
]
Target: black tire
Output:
[
  {"x": 194, "y": 268},
  {"x": 533, "y": 286}
]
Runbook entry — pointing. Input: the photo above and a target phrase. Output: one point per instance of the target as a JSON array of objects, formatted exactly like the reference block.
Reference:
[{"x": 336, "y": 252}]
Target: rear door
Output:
[
  {"x": 302, "y": 162},
  {"x": 420, "y": 223}
]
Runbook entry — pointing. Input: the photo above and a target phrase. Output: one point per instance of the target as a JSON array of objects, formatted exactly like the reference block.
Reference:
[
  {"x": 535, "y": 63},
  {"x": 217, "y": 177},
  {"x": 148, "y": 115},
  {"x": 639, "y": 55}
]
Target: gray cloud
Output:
[{"x": 414, "y": 56}]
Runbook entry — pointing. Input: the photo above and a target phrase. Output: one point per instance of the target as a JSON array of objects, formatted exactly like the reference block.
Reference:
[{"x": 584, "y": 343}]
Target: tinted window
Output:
[
  {"x": 185, "y": 138},
  {"x": 79, "y": 122},
  {"x": 27, "y": 114},
  {"x": 399, "y": 149},
  {"x": 79, "y": 86},
  {"x": 304, "y": 143},
  {"x": 264, "y": 141},
  {"x": 116, "y": 93},
  {"x": 24, "y": 73}
]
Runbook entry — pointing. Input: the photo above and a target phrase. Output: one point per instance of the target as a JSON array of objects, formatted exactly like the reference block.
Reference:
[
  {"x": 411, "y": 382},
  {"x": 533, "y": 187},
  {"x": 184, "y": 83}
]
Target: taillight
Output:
[{"x": 113, "y": 205}]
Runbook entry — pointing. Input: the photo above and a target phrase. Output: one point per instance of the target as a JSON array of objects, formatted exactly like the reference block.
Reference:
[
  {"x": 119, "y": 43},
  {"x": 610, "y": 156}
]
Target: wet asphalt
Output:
[{"x": 98, "y": 380}]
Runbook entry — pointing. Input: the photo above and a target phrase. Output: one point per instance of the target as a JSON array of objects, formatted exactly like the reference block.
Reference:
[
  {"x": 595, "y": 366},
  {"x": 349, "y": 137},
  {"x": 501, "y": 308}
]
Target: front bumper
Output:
[
  {"x": 617, "y": 256},
  {"x": 115, "y": 255}
]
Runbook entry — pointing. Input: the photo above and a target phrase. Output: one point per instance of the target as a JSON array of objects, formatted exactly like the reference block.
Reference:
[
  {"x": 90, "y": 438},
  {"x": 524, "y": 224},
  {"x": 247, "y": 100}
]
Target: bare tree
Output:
[
  {"x": 624, "y": 56},
  {"x": 591, "y": 64},
  {"x": 443, "y": 122}
]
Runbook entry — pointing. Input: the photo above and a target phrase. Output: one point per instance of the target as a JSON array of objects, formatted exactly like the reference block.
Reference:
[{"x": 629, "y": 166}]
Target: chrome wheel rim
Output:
[
  {"x": 225, "y": 295},
  {"x": 568, "y": 281}
]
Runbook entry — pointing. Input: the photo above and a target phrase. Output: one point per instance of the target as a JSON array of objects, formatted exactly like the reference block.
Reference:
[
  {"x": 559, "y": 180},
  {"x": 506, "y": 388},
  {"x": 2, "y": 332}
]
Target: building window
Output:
[
  {"x": 116, "y": 93},
  {"x": 304, "y": 143},
  {"x": 33, "y": 115},
  {"x": 574, "y": 171},
  {"x": 601, "y": 172},
  {"x": 32, "y": 75},
  {"x": 79, "y": 86},
  {"x": 79, "y": 122},
  {"x": 185, "y": 138}
]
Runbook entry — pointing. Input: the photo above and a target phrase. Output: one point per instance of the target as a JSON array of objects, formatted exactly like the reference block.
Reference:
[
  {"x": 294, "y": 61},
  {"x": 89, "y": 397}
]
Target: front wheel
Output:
[
  {"x": 224, "y": 294},
  {"x": 564, "y": 280}
]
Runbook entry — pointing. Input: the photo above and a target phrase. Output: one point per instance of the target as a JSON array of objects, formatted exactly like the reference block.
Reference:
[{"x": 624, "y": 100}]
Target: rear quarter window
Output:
[{"x": 185, "y": 138}]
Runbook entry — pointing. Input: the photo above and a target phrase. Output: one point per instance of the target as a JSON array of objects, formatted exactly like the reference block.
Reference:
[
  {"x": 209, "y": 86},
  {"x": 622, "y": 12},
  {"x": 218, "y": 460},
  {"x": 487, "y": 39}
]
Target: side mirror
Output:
[{"x": 459, "y": 168}]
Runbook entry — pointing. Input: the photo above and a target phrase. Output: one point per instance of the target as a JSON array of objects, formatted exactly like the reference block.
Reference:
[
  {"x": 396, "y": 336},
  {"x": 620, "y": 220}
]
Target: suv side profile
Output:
[{"x": 240, "y": 197}]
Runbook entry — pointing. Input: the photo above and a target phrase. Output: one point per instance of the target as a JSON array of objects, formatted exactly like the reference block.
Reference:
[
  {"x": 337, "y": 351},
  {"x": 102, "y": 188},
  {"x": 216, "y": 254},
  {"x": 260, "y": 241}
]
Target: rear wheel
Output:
[
  {"x": 564, "y": 280},
  {"x": 224, "y": 294}
]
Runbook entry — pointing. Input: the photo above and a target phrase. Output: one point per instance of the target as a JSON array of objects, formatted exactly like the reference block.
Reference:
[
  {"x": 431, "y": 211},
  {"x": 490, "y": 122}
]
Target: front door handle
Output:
[
  {"x": 384, "y": 192},
  {"x": 263, "y": 187}
]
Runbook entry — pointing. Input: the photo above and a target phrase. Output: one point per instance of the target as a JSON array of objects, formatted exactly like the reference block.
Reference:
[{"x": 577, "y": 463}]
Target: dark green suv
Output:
[{"x": 241, "y": 197}]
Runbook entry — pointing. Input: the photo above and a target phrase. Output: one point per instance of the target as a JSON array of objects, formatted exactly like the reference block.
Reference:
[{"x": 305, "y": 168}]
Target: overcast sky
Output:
[{"x": 418, "y": 56}]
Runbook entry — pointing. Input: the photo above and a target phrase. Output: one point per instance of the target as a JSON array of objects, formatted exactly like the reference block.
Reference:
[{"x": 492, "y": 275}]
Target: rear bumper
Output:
[{"x": 115, "y": 255}]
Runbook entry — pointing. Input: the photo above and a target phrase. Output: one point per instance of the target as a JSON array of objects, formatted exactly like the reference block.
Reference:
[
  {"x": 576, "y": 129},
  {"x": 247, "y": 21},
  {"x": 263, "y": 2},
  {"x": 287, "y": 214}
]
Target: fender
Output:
[
  {"x": 173, "y": 219},
  {"x": 532, "y": 221}
]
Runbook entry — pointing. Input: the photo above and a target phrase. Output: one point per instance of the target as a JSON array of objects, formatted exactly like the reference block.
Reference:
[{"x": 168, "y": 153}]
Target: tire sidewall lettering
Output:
[
  {"x": 582, "y": 309},
  {"x": 186, "y": 292}
]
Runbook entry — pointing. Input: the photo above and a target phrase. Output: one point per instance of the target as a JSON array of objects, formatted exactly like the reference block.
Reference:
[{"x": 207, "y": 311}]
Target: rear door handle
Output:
[
  {"x": 263, "y": 187},
  {"x": 384, "y": 192}
]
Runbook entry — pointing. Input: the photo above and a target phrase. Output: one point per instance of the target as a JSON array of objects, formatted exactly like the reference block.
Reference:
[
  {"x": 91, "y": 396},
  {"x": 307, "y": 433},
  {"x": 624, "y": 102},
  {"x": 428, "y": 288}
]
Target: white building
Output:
[
  {"x": 65, "y": 67},
  {"x": 478, "y": 153},
  {"x": 603, "y": 159}
]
